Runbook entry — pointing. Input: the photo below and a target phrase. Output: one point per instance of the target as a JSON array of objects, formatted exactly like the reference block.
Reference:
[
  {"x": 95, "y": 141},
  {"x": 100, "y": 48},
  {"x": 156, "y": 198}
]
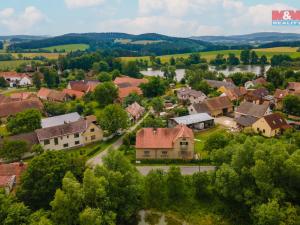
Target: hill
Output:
[
  {"x": 122, "y": 43},
  {"x": 253, "y": 39}
]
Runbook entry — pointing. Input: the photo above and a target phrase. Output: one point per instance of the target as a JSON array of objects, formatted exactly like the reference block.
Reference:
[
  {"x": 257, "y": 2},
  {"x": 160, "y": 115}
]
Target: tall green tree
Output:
[
  {"x": 23, "y": 122},
  {"x": 36, "y": 80},
  {"x": 253, "y": 58},
  {"x": 13, "y": 149},
  {"x": 106, "y": 93},
  {"x": 113, "y": 118},
  {"x": 175, "y": 185},
  {"x": 44, "y": 175},
  {"x": 155, "y": 87},
  {"x": 245, "y": 57}
]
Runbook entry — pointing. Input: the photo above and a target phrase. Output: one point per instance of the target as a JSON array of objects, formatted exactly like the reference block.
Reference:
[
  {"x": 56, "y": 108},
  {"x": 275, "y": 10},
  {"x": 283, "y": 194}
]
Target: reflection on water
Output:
[
  {"x": 258, "y": 70},
  {"x": 155, "y": 218}
]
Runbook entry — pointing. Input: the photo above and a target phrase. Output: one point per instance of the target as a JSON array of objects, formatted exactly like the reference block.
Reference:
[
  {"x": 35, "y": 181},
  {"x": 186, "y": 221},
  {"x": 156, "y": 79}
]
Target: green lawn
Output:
[
  {"x": 12, "y": 65},
  {"x": 212, "y": 54},
  {"x": 200, "y": 138},
  {"x": 68, "y": 48},
  {"x": 91, "y": 150}
]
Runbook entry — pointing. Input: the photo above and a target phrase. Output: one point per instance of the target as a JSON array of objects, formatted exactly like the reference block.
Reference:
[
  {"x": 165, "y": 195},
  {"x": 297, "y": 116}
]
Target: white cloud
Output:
[
  {"x": 83, "y": 3},
  {"x": 158, "y": 24},
  {"x": 7, "y": 12},
  {"x": 23, "y": 21}
]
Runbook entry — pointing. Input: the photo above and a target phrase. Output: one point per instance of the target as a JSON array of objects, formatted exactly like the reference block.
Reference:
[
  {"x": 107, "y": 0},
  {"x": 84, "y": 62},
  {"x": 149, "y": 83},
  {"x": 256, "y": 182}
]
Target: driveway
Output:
[
  {"x": 226, "y": 122},
  {"x": 185, "y": 170},
  {"x": 97, "y": 160}
]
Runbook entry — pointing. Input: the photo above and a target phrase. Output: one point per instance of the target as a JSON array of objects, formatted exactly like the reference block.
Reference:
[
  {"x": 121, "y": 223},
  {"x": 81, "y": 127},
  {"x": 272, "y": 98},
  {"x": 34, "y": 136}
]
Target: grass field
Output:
[
  {"x": 12, "y": 65},
  {"x": 68, "y": 48},
  {"x": 201, "y": 137},
  {"x": 269, "y": 52}
]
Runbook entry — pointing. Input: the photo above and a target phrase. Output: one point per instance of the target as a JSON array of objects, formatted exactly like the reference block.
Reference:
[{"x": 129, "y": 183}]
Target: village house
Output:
[
  {"x": 257, "y": 96},
  {"x": 234, "y": 94},
  {"x": 251, "y": 109},
  {"x": 15, "y": 79},
  {"x": 254, "y": 83},
  {"x": 73, "y": 94},
  {"x": 84, "y": 86},
  {"x": 216, "y": 106},
  {"x": 279, "y": 95},
  {"x": 165, "y": 143},
  {"x": 245, "y": 121},
  {"x": 52, "y": 95},
  {"x": 30, "y": 138},
  {"x": 69, "y": 135},
  {"x": 270, "y": 125},
  {"x": 128, "y": 85},
  {"x": 218, "y": 84},
  {"x": 294, "y": 87},
  {"x": 60, "y": 120},
  {"x": 14, "y": 107},
  {"x": 10, "y": 175},
  {"x": 199, "y": 121},
  {"x": 135, "y": 111},
  {"x": 22, "y": 96},
  {"x": 190, "y": 95}
]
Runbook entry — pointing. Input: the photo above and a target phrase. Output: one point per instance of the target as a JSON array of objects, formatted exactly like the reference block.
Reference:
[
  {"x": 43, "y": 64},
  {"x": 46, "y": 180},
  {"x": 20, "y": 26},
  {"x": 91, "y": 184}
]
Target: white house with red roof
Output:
[{"x": 15, "y": 79}]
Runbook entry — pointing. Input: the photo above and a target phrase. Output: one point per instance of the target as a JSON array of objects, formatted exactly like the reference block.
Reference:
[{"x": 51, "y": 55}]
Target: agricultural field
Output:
[
  {"x": 269, "y": 52},
  {"x": 12, "y": 65},
  {"x": 68, "y": 48}
]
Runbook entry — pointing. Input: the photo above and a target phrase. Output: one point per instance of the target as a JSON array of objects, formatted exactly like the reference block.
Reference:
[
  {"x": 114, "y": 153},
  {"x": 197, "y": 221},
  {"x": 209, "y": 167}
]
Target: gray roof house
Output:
[
  {"x": 193, "y": 96},
  {"x": 252, "y": 109},
  {"x": 60, "y": 120},
  {"x": 197, "y": 121},
  {"x": 218, "y": 84}
]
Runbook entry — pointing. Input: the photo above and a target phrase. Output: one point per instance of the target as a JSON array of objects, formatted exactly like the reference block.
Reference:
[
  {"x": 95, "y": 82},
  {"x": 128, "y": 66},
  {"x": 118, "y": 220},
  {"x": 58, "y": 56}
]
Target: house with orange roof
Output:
[
  {"x": 165, "y": 143},
  {"x": 15, "y": 79},
  {"x": 10, "y": 175},
  {"x": 279, "y": 95},
  {"x": 52, "y": 95},
  {"x": 22, "y": 96},
  {"x": 83, "y": 85},
  {"x": 128, "y": 85},
  {"x": 73, "y": 93},
  {"x": 135, "y": 111}
]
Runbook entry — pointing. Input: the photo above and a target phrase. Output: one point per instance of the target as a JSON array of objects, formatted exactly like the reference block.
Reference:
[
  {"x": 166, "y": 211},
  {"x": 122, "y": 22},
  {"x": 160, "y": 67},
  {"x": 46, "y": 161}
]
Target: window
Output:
[
  {"x": 77, "y": 142},
  {"x": 93, "y": 137},
  {"x": 46, "y": 142},
  {"x": 68, "y": 136},
  {"x": 56, "y": 141},
  {"x": 184, "y": 143},
  {"x": 164, "y": 154},
  {"x": 257, "y": 129},
  {"x": 93, "y": 130},
  {"x": 264, "y": 131},
  {"x": 66, "y": 145},
  {"x": 76, "y": 135},
  {"x": 146, "y": 153}
]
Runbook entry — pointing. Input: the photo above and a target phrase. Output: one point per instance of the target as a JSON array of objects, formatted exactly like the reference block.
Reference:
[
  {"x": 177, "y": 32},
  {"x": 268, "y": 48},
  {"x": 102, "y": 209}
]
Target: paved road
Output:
[
  {"x": 97, "y": 160},
  {"x": 185, "y": 170}
]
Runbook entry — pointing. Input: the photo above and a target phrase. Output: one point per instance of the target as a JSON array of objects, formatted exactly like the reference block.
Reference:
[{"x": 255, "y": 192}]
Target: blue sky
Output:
[{"x": 171, "y": 17}]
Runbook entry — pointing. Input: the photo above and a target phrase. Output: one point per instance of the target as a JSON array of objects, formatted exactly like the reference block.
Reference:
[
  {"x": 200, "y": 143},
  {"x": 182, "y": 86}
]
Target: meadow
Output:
[
  {"x": 269, "y": 52},
  {"x": 12, "y": 65},
  {"x": 68, "y": 48}
]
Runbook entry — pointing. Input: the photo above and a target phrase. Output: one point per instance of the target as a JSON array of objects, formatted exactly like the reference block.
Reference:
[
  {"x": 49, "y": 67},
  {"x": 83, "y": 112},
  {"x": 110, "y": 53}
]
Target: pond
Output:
[
  {"x": 156, "y": 218},
  {"x": 229, "y": 70}
]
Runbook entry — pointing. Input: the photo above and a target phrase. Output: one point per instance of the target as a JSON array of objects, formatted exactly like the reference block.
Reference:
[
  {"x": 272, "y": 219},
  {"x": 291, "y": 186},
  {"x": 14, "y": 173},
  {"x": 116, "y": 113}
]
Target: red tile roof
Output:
[
  {"x": 125, "y": 81},
  {"x": 294, "y": 86},
  {"x": 13, "y": 169},
  {"x": 260, "y": 80},
  {"x": 12, "y": 108},
  {"x": 43, "y": 93},
  {"x": 161, "y": 138},
  {"x": 22, "y": 95},
  {"x": 135, "y": 109},
  {"x": 280, "y": 94},
  {"x": 276, "y": 121},
  {"x": 6, "y": 180},
  {"x": 8, "y": 75},
  {"x": 74, "y": 93},
  {"x": 83, "y": 85},
  {"x": 124, "y": 92}
]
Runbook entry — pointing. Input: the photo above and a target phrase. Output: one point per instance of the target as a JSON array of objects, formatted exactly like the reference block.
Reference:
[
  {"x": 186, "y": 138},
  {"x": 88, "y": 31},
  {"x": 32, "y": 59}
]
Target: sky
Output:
[{"x": 182, "y": 18}]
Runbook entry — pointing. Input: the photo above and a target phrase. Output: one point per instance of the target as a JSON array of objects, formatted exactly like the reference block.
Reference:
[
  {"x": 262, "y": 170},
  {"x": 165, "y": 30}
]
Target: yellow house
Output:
[
  {"x": 270, "y": 125},
  {"x": 165, "y": 143}
]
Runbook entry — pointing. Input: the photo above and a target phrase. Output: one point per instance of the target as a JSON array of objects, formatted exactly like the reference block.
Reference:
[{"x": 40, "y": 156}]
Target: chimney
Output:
[{"x": 21, "y": 163}]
